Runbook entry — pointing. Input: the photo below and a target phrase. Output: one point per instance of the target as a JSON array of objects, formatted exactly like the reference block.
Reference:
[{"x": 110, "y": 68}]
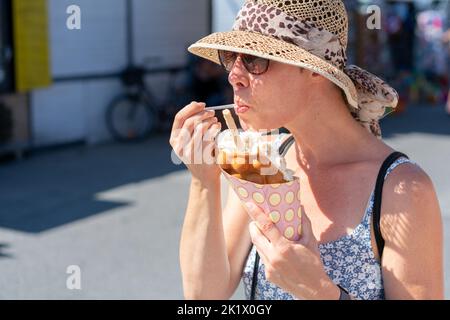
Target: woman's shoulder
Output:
[
  {"x": 409, "y": 199},
  {"x": 408, "y": 178},
  {"x": 411, "y": 225}
]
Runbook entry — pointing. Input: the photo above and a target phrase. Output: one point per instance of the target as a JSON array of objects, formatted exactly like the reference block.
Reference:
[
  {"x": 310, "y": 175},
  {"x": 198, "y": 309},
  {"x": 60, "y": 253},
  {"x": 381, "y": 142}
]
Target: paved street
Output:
[{"x": 116, "y": 211}]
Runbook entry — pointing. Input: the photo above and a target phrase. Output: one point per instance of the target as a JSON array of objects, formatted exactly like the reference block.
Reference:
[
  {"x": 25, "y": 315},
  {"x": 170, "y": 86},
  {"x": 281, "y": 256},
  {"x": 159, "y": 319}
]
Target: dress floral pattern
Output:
[{"x": 348, "y": 261}]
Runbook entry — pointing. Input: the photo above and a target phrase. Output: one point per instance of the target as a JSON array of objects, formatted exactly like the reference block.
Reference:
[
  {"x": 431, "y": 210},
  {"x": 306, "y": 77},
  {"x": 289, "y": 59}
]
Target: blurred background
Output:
[{"x": 88, "y": 91}]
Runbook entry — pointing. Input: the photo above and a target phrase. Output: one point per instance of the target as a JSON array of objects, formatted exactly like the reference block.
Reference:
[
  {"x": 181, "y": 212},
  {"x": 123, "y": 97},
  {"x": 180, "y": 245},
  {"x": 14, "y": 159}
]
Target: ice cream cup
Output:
[{"x": 281, "y": 202}]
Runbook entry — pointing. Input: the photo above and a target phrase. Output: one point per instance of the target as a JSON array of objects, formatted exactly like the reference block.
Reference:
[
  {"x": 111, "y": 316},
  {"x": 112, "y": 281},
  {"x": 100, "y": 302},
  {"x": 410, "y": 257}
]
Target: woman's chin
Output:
[{"x": 249, "y": 124}]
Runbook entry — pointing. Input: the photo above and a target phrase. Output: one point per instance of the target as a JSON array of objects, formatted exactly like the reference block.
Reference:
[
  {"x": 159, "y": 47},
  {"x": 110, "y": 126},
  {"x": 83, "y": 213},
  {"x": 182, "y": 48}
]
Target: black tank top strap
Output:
[{"x": 378, "y": 195}]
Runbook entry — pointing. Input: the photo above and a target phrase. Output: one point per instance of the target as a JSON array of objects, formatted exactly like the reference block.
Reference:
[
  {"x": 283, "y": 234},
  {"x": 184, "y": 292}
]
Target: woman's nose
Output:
[{"x": 238, "y": 76}]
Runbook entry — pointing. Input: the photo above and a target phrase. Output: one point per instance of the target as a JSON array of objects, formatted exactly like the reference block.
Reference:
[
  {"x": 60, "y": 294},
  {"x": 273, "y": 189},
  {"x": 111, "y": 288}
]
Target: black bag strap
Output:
[
  {"x": 284, "y": 147},
  {"x": 378, "y": 195},
  {"x": 254, "y": 277}
]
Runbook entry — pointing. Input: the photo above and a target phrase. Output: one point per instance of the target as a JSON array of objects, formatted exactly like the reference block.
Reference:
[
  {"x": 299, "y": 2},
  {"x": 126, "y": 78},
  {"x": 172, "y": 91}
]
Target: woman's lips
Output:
[{"x": 241, "y": 108}]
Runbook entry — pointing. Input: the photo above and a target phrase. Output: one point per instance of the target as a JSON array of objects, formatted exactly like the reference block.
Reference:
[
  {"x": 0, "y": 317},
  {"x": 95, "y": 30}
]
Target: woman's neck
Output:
[{"x": 329, "y": 136}]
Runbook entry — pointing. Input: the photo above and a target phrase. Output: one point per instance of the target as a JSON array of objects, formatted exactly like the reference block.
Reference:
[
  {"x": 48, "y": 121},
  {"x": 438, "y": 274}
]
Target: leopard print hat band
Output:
[
  {"x": 311, "y": 34},
  {"x": 373, "y": 94},
  {"x": 273, "y": 22}
]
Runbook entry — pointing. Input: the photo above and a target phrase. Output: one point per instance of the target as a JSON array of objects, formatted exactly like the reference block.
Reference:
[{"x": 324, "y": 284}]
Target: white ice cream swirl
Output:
[{"x": 252, "y": 143}]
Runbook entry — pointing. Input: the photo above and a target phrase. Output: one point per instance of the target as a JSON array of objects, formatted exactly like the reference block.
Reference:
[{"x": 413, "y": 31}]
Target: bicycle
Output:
[{"x": 136, "y": 113}]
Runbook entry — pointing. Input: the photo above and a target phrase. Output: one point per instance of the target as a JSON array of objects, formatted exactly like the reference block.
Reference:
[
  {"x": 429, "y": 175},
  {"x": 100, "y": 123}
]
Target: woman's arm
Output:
[
  {"x": 214, "y": 246},
  {"x": 412, "y": 262},
  {"x": 203, "y": 258}
]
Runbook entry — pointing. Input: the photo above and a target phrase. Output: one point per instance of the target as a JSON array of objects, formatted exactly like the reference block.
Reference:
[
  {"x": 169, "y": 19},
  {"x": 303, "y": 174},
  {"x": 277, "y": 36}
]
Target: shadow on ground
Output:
[{"x": 53, "y": 187}]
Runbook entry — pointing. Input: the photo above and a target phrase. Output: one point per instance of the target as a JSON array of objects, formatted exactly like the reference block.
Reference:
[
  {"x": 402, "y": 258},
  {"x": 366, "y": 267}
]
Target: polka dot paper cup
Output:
[{"x": 280, "y": 201}]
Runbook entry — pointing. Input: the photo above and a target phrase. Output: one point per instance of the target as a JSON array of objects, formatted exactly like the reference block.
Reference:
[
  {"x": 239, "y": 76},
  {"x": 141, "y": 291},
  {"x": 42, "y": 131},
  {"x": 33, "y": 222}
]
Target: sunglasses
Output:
[{"x": 254, "y": 65}]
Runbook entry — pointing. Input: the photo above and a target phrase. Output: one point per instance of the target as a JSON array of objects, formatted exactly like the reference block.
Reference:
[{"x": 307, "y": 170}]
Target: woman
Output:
[{"x": 287, "y": 67}]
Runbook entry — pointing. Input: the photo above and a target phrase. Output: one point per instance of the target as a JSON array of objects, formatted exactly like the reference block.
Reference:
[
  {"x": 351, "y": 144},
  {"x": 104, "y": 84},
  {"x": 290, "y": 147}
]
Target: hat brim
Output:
[{"x": 277, "y": 50}]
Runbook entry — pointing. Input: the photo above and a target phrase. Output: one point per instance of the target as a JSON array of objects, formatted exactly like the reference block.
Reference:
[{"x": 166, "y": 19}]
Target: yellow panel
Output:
[{"x": 31, "y": 44}]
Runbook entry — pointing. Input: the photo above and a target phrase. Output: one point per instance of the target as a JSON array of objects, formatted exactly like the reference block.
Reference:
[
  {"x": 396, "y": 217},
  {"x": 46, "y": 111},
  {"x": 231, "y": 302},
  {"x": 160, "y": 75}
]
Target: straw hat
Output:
[{"x": 311, "y": 34}]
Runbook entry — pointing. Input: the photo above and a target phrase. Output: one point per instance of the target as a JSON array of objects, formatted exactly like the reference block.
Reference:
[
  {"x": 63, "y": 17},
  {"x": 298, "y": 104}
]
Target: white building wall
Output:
[
  {"x": 57, "y": 114},
  {"x": 99, "y": 47},
  {"x": 163, "y": 32},
  {"x": 70, "y": 111}
]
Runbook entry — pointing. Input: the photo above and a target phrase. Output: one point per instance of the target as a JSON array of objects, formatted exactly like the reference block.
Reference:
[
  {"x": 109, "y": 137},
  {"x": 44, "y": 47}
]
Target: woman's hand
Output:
[
  {"x": 192, "y": 139},
  {"x": 296, "y": 267}
]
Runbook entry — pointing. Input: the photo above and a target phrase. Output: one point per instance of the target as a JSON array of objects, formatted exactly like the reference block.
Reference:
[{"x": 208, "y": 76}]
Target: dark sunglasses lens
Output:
[
  {"x": 227, "y": 59},
  {"x": 255, "y": 65}
]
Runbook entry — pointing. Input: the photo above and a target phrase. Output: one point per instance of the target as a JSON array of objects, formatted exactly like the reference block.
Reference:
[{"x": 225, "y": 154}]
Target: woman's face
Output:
[{"x": 274, "y": 98}]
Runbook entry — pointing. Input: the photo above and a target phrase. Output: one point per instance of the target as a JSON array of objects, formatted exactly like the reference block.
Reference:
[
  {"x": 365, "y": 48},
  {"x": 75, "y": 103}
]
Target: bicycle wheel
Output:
[{"x": 129, "y": 118}]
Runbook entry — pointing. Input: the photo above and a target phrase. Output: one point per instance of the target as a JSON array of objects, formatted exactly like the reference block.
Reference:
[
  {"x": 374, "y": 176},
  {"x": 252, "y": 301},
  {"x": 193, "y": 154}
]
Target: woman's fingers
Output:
[
  {"x": 260, "y": 242},
  {"x": 193, "y": 121},
  {"x": 198, "y": 138},
  {"x": 264, "y": 223},
  {"x": 202, "y": 127},
  {"x": 184, "y": 124},
  {"x": 193, "y": 151},
  {"x": 192, "y": 140},
  {"x": 186, "y": 131},
  {"x": 209, "y": 146},
  {"x": 185, "y": 113}
]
